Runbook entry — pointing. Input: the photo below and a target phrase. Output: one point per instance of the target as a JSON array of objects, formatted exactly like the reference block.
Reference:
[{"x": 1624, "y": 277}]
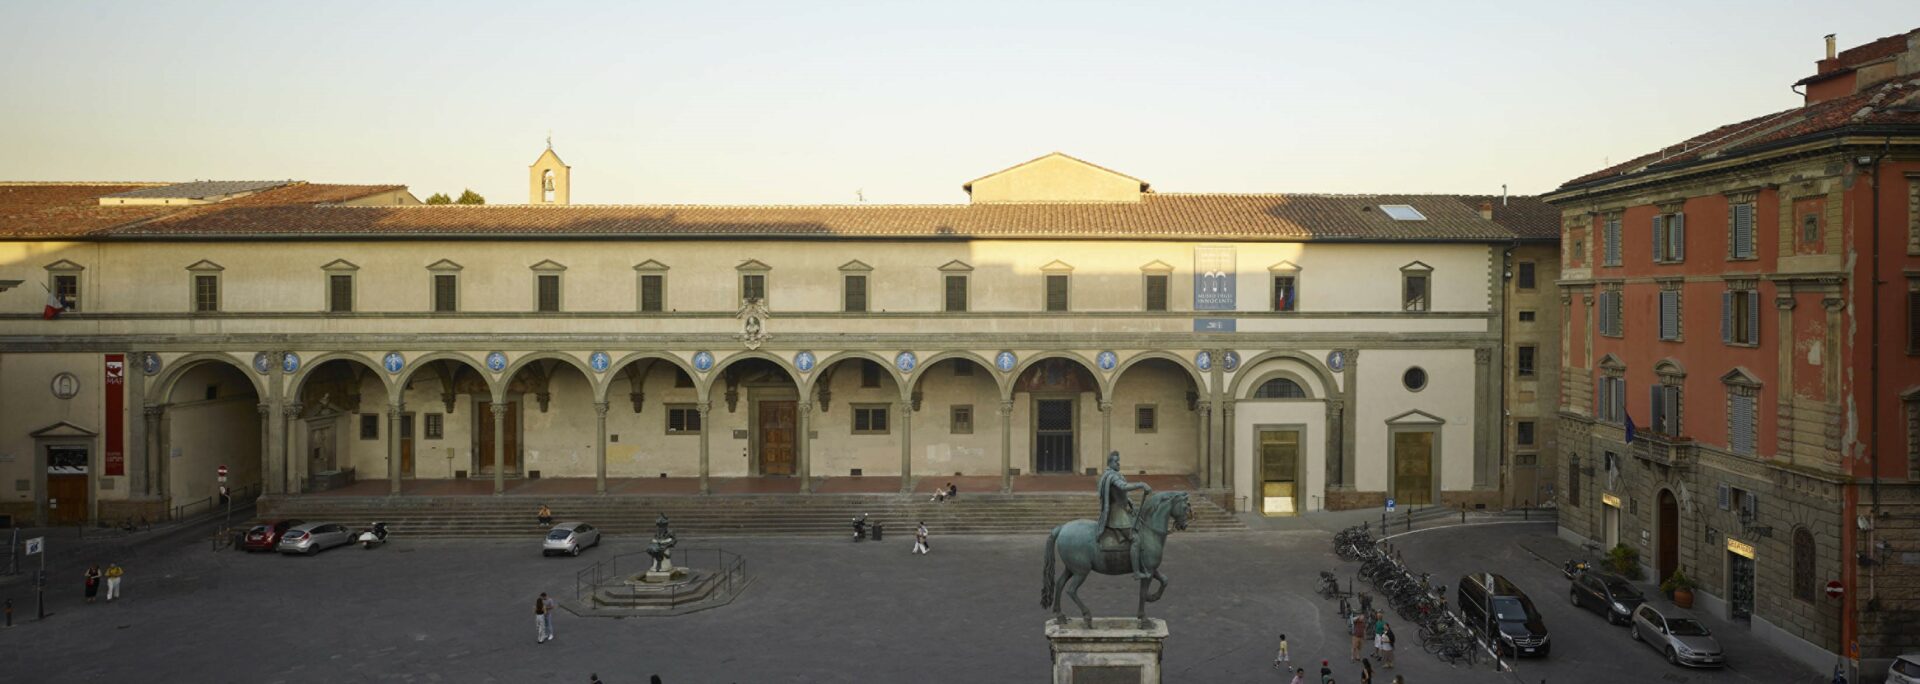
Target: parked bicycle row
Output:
[{"x": 1411, "y": 595}]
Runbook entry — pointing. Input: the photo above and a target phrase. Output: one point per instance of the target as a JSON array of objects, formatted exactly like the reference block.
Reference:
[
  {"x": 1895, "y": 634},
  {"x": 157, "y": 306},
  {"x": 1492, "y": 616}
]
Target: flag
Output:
[
  {"x": 54, "y": 305},
  {"x": 1630, "y": 428}
]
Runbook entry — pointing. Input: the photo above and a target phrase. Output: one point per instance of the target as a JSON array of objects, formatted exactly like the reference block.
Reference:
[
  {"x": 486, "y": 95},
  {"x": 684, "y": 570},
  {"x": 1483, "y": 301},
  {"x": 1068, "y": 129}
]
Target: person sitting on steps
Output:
[{"x": 545, "y": 516}]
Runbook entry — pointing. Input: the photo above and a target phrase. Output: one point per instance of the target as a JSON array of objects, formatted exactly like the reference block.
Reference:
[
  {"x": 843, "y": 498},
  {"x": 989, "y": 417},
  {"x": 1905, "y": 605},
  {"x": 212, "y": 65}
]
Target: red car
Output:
[{"x": 265, "y": 536}]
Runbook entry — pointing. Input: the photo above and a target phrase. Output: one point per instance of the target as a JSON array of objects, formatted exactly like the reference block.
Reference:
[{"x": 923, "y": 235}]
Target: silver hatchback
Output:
[
  {"x": 570, "y": 538},
  {"x": 1682, "y": 640},
  {"x": 314, "y": 537}
]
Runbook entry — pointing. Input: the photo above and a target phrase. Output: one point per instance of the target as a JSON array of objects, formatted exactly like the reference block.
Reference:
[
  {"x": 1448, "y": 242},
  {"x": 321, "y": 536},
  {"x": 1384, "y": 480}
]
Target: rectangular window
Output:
[
  {"x": 1146, "y": 418},
  {"x": 869, "y": 374},
  {"x": 1413, "y": 293},
  {"x": 369, "y": 426},
  {"x": 653, "y": 293},
  {"x": 67, "y": 288},
  {"x": 960, "y": 419},
  {"x": 436, "y": 426},
  {"x": 753, "y": 287},
  {"x": 956, "y": 299},
  {"x": 206, "y": 293},
  {"x": 1610, "y": 314},
  {"x": 1740, "y": 317},
  {"x": 1810, "y": 230},
  {"x": 1740, "y": 233},
  {"x": 1523, "y": 433},
  {"x": 683, "y": 419},
  {"x": 1286, "y": 293},
  {"x": 1523, "y": 360},
  {"x": 1669, "y": 238},
  {"x": 869, "y": 419},
  {"x": 1666, "y": 409},
  {"x": 1526, "y": 317},
  {"x": 1157, "y": 292},
  {"x": 446, "y": 293},
  {"x": 1612, "y": 237},
  {"x": 1741, "y": 422},
  {"x": 1057, "y": 292},
  {"x": 1913, "y": 317},
  {"x": 548, "y": 292},
  {"x": 1525, "y": 275},
  {"x": 1611, "y": 406},
  {"x": 1670, "y": 314},
  {"x": 340, "y": 293},
  {"x": 854, "y": 299}
]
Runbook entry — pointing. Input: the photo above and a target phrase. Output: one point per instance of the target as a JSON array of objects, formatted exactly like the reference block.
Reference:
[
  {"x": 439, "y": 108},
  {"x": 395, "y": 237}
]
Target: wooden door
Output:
[
  {"x": 511, "y": 419},
  {"x": 406, "y": 445},
  {"x": 1668, "y": 556},
  {"x": 319, "y": 447},
  {"x": 69, "y": 492},
  {"x": 1413, "y": 468},
  {"x": 1053, "y": 433},
  {"x": 776, "y": 437},
  {"x": 1279, "y": 471}
]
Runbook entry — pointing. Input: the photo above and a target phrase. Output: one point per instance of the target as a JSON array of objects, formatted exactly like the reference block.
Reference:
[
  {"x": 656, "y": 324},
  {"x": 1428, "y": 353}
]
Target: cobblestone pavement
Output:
[{"x": 818, "y": 611}]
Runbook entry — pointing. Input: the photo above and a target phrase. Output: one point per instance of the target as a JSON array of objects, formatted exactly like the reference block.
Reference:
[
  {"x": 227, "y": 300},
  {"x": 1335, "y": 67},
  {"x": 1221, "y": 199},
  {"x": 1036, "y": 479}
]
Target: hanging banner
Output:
[
  {"x": 1213, "y": 276},
  {"x": 115, "y": 460}
]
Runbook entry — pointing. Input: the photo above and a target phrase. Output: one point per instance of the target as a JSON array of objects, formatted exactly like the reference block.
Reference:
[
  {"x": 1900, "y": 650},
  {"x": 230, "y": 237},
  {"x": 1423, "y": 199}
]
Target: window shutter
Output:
[
  {"x": 1619, "y": 320},
  {"x": 652, "y": 292},
  {"x": 1753, "y": 317},
  {"x": 444, "y": 297},
  {"x": 856, "y": 293},
  {"x": 1677, "y": 230},
  {"x": 956, "y": 293},
  {"x": 1742, "y": 231},
  {"x": 340, "y": 293},
  {"x": 1620, "y": 399},
  {"x": 1726, "y": 317},
  {"x": 1658, "y": 415},
  {"x": 1056, "y": 293},
  {"x": 1741, "y": 430},
  {"x": 549, "y": 286},
  {"x": 1659, "y": 236},
  {"x": 1157, "y": 293},
  {"x": 1913, "y": 321},
  {"x": 1669, "y": 315},
  {"x": 1671, "y": 401}
]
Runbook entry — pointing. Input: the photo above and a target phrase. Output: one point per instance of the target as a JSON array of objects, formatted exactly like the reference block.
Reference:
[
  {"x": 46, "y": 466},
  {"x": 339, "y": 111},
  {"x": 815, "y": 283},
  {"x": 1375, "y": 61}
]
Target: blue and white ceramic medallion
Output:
[
  {"x": 804, "y": 361},
  {"x": 1230, "y": 360},
  {"x": 1005, "y": 361},
  {"x": 1107, "y": 360},
  {"x": 496, "y": 361},
  {"x": 1204, "y": 360},
  {"x": 905, "y": 361},
  {"x": 150, "y": 362},
  {"x": 703, "y": 361},
  {"x": 393, "y": 362},
  {"x": 262, "y": 363},
  {"x": 290, "y": 363},
  {"x": 600, "y": 361},
  {"x": 1337, "y": 360}
]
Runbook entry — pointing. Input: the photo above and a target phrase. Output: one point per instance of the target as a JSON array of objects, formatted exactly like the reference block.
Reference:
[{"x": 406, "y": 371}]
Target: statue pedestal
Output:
[{"x": 1114, "y": 651}]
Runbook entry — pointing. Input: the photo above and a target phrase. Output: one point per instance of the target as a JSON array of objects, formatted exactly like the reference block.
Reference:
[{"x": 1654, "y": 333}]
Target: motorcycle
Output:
[
  {"x": 860, "y": 528},
  {"x": 1575, "y": 568},
  {"x": 373, "y": 536}
]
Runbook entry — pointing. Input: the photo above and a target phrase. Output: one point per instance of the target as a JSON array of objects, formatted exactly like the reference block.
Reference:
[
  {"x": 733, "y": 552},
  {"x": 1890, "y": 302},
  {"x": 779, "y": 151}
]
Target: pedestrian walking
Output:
[
  {"x": 1379, "y": 629},
  {"x": 1326, "y": 673},
  {"x": 93, "y": 582},
  {"x": 1358, "y": 630},
  {"x": 1366, "y": 672},
  {"x": 545, "y": 516},
  {"x": 593, "y": 679},
  {"x": 1386, "y": 646},
  {"x": 1280, "y": 659},
  {"x": 1299, "y": 675},
  {"x": 920, "y": 539},
  {"x": 113, "y": 580},
  {"x": 543, "y": 619}
]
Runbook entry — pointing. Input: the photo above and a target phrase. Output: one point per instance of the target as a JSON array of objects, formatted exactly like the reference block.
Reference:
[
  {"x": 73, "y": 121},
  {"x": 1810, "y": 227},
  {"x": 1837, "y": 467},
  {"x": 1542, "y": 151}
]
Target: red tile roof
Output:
[
  {"x": 73, "y": 211},
  {"x": 1158, "y": 215},
  {"x": 1528, "y": 217}
]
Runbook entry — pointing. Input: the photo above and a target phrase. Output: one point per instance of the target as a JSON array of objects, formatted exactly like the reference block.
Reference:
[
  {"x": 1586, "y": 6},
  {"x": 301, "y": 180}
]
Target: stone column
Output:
[
  {"x": 1202, "y": 474},
  {"x": 803, "y": 418},
  {"x": 706, "y": 428},
  {"x": 499, "y": 447},
  {"x": 394, "y": 411},
  {"x": 1106, "y": 431},
  {"x": 155, "y": 459},
  {"x": 1006, "y": 446},
  {"x": 1349, "y": 430},
  {"x": 1226, "y": 444},
  {"x": 273, "y": 473},
  {"x": 1336, "y": 437},
  {"x": 1216, "y": 471},
  {"x": 600, "y": 448},
  {"x": 268, "y": 481},
  {"x": 296, "y": 457},
  {"x": 906, "y": 446}
]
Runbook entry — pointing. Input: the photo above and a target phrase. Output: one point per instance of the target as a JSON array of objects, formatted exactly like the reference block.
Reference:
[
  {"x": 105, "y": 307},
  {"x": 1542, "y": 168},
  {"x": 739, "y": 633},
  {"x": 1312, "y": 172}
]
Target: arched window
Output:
[
  {"x": 1280, "y": 388},
  {"x": 1803, "y": 577}
]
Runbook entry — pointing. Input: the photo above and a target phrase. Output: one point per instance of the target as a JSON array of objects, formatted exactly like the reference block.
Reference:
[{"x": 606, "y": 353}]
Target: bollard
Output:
[
  {"x": 9, "y": 613},
  {"x": 1463, "y": 513},
  {"x": 1409, "y": 518}
]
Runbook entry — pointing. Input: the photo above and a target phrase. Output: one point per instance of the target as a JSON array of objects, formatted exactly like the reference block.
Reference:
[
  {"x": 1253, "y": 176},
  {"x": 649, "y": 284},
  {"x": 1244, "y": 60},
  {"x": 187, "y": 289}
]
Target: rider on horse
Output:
[{"x": 1116, "y": 512}]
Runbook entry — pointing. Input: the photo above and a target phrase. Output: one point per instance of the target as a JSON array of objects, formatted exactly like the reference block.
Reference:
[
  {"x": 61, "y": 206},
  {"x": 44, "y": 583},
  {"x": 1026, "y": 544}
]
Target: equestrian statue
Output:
[{"x": 1127, "y": 540}]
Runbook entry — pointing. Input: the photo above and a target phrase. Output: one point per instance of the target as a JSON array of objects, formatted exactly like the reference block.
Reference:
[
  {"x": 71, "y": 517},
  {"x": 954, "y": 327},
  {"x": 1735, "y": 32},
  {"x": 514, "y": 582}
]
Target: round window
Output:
[{"x": 1415, "y": 379}]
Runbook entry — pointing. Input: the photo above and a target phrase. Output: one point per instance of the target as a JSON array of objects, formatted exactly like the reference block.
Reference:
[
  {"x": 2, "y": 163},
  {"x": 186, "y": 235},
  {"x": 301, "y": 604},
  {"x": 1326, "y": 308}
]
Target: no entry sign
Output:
[
  {"x": 1834, "y": 589},
  {"x": 222, "y": 472}
]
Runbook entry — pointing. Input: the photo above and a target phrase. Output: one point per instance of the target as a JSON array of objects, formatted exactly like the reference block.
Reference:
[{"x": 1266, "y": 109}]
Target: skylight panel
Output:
[{"x": 1403, "y": 212}]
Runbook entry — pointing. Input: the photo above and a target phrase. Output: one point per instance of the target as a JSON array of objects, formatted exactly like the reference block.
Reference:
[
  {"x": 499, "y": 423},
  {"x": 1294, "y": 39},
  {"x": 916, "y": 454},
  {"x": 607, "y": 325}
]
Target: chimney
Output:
[
  {"x": 1486, "y": 210},
  {"x": 1830, "y": 51}
]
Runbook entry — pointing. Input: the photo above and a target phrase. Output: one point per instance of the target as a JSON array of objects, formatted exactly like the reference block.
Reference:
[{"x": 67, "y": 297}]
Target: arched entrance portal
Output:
[
  {"x": 1062, "y": 398},
  {"x": 1667, "y": 553},
  {"x": 337, "y": 427},
  {"x": 212, "y": 419}
]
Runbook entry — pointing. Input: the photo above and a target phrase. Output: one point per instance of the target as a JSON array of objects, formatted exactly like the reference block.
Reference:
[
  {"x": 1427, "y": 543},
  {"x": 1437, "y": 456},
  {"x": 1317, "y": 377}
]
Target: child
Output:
[
  {"x": 1281, "y": 657},
  {"x": 1299, "y": 675}
]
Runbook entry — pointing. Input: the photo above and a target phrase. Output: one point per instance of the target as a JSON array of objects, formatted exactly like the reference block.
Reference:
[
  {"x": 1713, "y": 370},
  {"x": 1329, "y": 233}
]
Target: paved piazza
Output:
[{"x": 818, "y": 611}]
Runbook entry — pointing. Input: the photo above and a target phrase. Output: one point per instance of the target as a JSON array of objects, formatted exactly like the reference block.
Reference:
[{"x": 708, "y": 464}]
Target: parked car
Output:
[
  {"x": 265, "y": 536},
  {"x": 312, "y": 538},
  {"x": 1683, "y": 640},
  {"x": 1495, "y": 607},
  {"x": 570, "y": 538},
  {"x": 1609, "y": 595},
  {"x": 1904, "y": 670}
]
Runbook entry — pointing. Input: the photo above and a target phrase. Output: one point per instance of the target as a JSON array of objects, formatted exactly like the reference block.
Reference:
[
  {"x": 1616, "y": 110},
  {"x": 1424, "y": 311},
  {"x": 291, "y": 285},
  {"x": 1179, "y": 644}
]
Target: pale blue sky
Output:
[{"x": 776, "y": 102}]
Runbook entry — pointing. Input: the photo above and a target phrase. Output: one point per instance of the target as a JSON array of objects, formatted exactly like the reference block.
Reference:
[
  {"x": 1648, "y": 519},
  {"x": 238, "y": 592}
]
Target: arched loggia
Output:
[{"x": 1059, "y": 397}]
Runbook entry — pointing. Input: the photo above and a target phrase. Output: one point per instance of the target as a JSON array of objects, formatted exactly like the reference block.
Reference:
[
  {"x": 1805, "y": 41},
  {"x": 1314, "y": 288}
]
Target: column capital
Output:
[
  {"x": 1006, "y": 408},
  {"x": 704, "y": 408},
  {"x": 803, "y": 407},
  {"x": 154, "y": 412},
  {"x": 292, "y": 410},
  {"x": 1106, "y": 406},
  {"x": 1834, "y": 303},
  {"x": 1226, "y": 406},
  {"x": 498, "y": 409},
  {"x": 1203, "y": 406},
  {"x": 600, "y": 408},
  {"x": 1785, "y": 302},
  {"x": 265, "y": 409},
  {"x": 394, "y": 410}
]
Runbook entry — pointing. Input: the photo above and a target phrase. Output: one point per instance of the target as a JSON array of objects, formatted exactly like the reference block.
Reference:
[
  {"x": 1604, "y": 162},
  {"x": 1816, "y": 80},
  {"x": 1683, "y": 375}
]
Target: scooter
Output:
[
  {"x": 373, "y": 536},
  {"x": 860, "y": 528},
  {"x": 1574, "y": 568}
]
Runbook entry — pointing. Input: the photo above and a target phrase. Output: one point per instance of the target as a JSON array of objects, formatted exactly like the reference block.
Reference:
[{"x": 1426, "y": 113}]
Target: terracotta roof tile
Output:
[
  {"x": 73, "y": 211},
  {"x": 1528, "y": 217}
]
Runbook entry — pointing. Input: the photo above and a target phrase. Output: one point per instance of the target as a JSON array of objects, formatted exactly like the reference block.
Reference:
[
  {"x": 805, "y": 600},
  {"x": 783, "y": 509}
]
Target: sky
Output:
[{"x": 891, "y": 102}]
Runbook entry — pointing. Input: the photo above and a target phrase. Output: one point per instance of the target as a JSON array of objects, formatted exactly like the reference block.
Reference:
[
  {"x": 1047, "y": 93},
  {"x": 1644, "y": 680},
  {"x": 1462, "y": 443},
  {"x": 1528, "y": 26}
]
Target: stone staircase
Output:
[{"x": 698, "y": 517}]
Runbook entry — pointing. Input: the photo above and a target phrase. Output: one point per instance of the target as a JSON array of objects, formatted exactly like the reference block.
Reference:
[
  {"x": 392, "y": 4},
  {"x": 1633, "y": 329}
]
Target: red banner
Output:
[{"x": 116, "y": 457}]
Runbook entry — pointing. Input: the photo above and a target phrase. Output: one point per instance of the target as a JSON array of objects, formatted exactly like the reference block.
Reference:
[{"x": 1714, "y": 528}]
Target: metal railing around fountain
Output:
[{"x": 730, "y": 568}]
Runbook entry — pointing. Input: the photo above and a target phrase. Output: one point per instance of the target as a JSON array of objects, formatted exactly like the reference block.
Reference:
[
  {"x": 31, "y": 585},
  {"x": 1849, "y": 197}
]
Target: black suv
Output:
[{"x": 1495, "y": 607}]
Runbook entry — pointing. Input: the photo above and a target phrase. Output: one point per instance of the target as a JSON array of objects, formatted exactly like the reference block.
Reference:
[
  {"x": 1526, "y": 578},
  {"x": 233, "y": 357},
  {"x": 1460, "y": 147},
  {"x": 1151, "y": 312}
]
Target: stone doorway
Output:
[
  {"x": 1053, "y": 435},
  {"x": 1667, "y": 552},
  {"x": 483, "y": 438},
  {"x": 775, "y": 430}
]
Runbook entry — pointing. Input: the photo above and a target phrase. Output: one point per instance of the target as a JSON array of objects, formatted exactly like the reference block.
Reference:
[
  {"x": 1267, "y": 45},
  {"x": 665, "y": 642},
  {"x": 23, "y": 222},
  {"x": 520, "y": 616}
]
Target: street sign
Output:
[
  {"x": 1834, "y": 590},
  {"x": 223, "y": 474},
  {"x": 36, "y": 545},
  {"x": 1389, "y": 505}
]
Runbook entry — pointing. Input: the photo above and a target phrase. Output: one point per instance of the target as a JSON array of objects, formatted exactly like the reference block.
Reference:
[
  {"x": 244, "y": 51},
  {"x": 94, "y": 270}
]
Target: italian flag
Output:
[{"x": 54, "y": 307}]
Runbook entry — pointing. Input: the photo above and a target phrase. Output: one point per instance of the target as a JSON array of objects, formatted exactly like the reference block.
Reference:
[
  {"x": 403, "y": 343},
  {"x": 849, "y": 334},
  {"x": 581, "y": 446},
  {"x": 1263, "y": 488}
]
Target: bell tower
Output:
[{"x": 547, "y": 178}]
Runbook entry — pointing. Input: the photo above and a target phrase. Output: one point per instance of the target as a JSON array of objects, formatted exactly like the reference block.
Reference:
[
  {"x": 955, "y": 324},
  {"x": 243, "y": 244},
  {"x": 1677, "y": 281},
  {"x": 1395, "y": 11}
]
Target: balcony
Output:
[{"x": 1664, "y": 450}]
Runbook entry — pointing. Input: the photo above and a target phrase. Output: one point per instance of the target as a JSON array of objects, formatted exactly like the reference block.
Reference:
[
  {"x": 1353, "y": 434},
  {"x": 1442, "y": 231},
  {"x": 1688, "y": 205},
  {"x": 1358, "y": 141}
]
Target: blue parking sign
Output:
[{"x": 1389, "y": 505}]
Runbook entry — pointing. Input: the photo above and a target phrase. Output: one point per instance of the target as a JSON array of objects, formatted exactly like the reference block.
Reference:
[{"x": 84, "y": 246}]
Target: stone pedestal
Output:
[
  {"x": 1114, "y": 651},
  {"x": 671, "y": 574}
]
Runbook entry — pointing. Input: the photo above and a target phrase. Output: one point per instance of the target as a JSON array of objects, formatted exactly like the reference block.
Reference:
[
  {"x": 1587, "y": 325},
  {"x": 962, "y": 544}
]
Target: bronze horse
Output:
[{"x": 1079, "y": 547}]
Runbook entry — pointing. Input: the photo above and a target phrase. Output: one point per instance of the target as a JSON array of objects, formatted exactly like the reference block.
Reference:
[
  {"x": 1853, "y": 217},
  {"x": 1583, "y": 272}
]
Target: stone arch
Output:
[
  {"x": 1313, "y": 365},
  {"x": 519, "y": 364},
  {"x": 1281, "y": 374},
  {"x": 1000, "y": 380},
  {"x": 704, "y": 383},
  {"x": 886, "y": 366},
  {"x": 1102, "y": 383},
  {"x": 400, "y": 380},
  {"x": 1199, "y": 379},
  {"x": 157, "y": 392},
  {"x": 605, "y": 382},
  {"x": 307, "y": 367}
]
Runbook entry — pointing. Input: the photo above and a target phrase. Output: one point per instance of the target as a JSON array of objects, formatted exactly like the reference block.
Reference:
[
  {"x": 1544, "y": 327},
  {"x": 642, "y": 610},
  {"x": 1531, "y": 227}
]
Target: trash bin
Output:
[{"x": 877, "y": 527}]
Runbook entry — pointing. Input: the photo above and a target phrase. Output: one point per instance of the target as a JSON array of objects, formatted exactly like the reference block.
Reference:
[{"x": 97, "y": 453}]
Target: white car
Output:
[
  {"x": 1905, "y": 670},
  {"x": 570, "y": 538}
]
